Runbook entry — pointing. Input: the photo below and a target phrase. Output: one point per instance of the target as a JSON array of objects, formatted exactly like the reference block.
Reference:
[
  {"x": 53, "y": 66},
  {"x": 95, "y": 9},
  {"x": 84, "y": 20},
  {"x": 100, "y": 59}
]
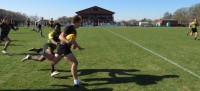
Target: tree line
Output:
[
  {"x": 184, "y": 15},
  {"x": 22, "y": 17},
  {"x": 16, "y": 16}
]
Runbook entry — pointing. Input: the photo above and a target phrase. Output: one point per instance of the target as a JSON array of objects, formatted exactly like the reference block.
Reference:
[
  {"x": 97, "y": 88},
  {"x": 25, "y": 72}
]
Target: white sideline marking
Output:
[{"x": 166, "y": 59}]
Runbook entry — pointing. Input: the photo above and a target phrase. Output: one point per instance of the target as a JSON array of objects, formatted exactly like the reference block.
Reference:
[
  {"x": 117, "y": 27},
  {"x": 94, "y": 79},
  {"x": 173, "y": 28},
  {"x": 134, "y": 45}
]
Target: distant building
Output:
[
  {"x": 166, "y": 22},
  {"x": 143, "y": 24},
  {"x": 96, "y": 16}
]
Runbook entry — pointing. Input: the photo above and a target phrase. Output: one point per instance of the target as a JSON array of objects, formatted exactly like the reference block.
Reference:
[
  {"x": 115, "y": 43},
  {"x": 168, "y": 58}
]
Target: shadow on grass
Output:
[
  {"x": 14, "y": 40},
  {"x": 71, "y": 88},
  {"x": 63, "y": 88},
  {"x": 82, "y": 72},
  {"x": 14, "y": 54},
  {"x": 138, "y": 79},
  {"x": 111, "y": 72},
  {"x": 117, "y": 76},
  {"x": 2, "y": 44}
]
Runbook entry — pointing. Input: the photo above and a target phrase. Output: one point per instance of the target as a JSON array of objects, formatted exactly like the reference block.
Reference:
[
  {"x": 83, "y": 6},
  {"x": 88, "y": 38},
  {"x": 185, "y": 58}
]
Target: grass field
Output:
[{"x": 114, "y": 59}]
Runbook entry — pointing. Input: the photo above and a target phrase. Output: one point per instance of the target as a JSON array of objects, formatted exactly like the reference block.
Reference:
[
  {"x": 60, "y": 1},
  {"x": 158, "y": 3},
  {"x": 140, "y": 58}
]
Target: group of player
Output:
[
  {"x": 57, "y": 40},
  {"x": 38, "y": 24}
]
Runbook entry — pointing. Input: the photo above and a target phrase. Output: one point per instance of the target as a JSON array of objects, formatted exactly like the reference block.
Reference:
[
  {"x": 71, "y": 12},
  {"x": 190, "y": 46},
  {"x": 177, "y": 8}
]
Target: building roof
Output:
[{"x": 95, "y": 10}]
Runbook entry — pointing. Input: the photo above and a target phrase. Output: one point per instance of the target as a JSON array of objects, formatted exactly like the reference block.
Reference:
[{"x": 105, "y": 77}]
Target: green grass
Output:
[{"x": 109, "y": 62}]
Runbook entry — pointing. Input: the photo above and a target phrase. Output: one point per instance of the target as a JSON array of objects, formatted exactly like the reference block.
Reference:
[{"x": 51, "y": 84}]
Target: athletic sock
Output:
[
  {"x": 52, "y": 68},
  {"x": 4, "y": 49}
]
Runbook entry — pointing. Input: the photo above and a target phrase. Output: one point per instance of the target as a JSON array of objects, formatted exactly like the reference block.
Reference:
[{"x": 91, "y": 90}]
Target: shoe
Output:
[
  {"x": 32, "y": 49},
  {"x": 80, "y": 84},
  {"x": 26, "y": 58},
  {"x": 4, "y": 52},
  {"x": 54, "y": 73}
]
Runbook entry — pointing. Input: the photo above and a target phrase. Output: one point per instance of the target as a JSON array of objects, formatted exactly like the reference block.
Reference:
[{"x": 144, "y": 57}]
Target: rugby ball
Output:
[{"x": 71, "y": 37}]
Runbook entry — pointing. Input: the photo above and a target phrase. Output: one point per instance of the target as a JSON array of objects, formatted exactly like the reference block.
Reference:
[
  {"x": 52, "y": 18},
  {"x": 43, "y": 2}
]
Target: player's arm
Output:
[
  {"x": 190, "y": 25},
  {"x": 51, "y": 39},
  {"x": 63, "y": 39},
  {"x": 14, "y": 27},
  {"x": 54, "y": 42},
  {"x": 77, "y": 45}
]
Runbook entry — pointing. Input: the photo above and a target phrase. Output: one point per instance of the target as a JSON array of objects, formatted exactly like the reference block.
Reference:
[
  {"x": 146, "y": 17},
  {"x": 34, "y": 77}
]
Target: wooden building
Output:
[{"x": 96, "y": 16}]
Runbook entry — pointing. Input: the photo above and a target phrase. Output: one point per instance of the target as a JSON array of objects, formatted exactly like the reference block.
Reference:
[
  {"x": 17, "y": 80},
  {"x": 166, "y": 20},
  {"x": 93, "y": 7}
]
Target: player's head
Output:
[
  {"x": 41, "y": 18},
  {"x": 195, "y": 19},
  {"x": 57, "y": 27},
  {"x": 76, "y": 21}
]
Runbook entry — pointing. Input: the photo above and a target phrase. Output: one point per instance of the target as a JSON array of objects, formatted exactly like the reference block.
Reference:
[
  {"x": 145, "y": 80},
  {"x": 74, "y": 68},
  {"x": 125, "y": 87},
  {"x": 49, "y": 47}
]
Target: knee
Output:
[
  {"x": 75, "y": 63},
  {"x": 9, "y": 41},
  {"x": 52, "y": 63}
]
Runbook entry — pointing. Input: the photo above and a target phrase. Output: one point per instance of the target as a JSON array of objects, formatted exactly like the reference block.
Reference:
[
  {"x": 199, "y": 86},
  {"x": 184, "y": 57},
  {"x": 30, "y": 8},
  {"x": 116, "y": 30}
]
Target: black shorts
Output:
[
  {"x": 39, "y": 27},
  {"x": 2, "y": 36},
  {"x": 64, "y": 50},
  {"x": 194, "y": 30},
  {"x": 49, "y": 46},
  {"x": 51, "y": 25}
]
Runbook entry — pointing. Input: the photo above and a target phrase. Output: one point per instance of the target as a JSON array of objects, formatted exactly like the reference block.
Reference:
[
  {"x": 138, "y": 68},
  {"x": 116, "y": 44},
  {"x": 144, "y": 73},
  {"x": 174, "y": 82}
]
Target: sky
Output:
[{"x": 124, "y": 9}]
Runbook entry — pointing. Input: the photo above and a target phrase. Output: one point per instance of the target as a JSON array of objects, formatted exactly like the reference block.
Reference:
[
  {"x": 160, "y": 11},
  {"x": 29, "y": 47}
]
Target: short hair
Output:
[
  {"x": 56, "y": 24},
  {"x": 76, "y": 18}
]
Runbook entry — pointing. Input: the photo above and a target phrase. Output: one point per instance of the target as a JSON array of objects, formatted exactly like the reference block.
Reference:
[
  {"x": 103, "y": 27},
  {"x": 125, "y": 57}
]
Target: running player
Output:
[
  {"x": 39, "y": 26},
  {"x": 28, "y": 23},
  {"x": 5, "y": 29},
  {"x": 48, "y": 50},
  {"x": 65, "y": 51},
  {"x": 51, "y": 23},
  {"x": 193, "y": 26}
]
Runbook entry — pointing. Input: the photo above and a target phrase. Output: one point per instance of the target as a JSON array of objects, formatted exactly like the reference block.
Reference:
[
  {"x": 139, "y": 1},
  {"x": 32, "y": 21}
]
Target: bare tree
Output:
[
  {"x": 186, "y": 15},
  {"x": 167, "y": 15},
  {"x": 181, "y": 15},
  {"x": 133, "y": 22}
]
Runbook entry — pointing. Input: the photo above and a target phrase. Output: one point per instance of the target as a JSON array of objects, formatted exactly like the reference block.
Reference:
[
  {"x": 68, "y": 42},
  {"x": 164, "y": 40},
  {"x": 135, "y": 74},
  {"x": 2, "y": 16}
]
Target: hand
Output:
[
  {"x": 58, "y": 44},
  {"x": 80, "y": 48},
  {"x": 74, "y": 47},
  {"x": 70, "y": 42},
  {"x": 16, "y": 28}
]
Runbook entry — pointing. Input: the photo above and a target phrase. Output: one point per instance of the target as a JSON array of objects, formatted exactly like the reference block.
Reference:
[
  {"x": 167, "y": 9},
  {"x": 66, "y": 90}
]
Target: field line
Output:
[{"x": 166, "y": 59}]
